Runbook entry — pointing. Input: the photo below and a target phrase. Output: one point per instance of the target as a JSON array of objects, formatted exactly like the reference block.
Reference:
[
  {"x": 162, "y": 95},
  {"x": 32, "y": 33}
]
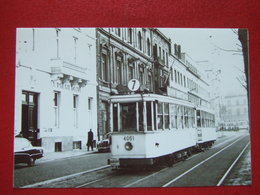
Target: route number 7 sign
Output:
[{"x": 133, "y": 85}]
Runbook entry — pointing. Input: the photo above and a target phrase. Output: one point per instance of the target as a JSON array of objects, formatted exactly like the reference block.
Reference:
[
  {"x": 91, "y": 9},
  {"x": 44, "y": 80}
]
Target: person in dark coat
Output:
[{"x": 90, "y": 140}]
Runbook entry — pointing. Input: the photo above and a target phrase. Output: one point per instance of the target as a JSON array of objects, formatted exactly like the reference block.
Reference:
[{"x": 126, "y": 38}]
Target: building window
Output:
[
  {"x": 184, "y": 81},
  {"x": 118, "y": 71},
  {"x": 104, "y": 68},
  {"x": 75, "y": 49},
  {"x": 161, "y": 78},
  {"x": 167, "y": 59},
  {"x": 130, "y": 72},
  {"x": 130, "y": 36},
  {"x": 149, "y": 81},
  {"x": 118, "y": 32},
  {"x": 141, "y": 75},
  {"x": 175, "y": 76},
  {"x": 75, "y": 109},
  {"x": 90, "y": 99},
  {"x": 139, "y": 40},
  {"x": 33, "y": 41},
  {"x": 58, "y": 146},
  {"x": 163, "y": 56},
  {"x": 57, "y": 43},
  {"x": 148, "y": 47},
  {"x": 77, "y": 145},
  {"x": 56, "y": 106},
  {"x": 238, "y": 111}
]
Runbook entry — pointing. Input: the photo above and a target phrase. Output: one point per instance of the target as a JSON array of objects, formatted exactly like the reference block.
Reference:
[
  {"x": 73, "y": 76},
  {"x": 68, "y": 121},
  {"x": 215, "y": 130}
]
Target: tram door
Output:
[{"x": 30, "y": 116}]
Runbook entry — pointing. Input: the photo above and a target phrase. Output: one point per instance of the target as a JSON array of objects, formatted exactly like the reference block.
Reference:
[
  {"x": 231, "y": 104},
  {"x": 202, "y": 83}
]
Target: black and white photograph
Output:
[{"x": 128, "y": 107}]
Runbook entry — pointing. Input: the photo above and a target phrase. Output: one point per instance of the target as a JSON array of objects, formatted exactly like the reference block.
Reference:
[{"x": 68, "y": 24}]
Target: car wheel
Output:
[{"x": 31, "y": 162}]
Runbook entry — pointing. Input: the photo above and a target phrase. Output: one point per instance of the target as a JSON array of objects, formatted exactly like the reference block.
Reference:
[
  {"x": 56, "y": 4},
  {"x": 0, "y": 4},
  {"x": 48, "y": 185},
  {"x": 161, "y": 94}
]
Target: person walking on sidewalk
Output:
[{"x": 90, "y": 140}]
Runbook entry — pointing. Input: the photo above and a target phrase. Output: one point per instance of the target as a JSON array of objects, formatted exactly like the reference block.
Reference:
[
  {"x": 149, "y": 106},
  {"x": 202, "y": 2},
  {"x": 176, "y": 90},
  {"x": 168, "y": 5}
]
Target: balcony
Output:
[
  {"x": 61, "y": 67},
  {"x": 159, "y": 61}
]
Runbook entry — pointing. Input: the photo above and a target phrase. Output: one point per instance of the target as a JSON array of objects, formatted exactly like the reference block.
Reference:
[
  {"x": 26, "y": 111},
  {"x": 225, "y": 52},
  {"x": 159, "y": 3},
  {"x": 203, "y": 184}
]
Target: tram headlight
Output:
[{"x": 128, "y": 146}]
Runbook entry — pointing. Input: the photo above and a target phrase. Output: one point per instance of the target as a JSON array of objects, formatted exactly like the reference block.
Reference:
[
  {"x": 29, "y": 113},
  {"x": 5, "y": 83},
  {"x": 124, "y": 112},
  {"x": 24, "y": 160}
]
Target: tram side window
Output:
[
  {"x": 180, "y": 117},
  {"x": 149, "y": 116},
  {"x": 166, "y": 116},
  {"x": 211, "y": 120},
  {"x": 160, "y": 115},
  {"x": 155, "y": 115},
  {"x": 186, "y": 112},
  {"x": 198, "y": 119},
  {"x": 128, "y": 114},
  {"x": 203, "y": 119},
  {"x": 141, "y": 119},
  {"x": 208, "y": 119},
  {"x": 173, "y": 115},
  {"x": 115, "y": 119},
  {"x": 190, "y": 120},
  {"x": 193, "y": 118}
]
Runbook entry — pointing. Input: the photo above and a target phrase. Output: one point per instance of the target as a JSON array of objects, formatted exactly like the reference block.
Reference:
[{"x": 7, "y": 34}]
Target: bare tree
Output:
[
  {"x": 243, "y": 38},
  {"x": 241, "y": 50}
]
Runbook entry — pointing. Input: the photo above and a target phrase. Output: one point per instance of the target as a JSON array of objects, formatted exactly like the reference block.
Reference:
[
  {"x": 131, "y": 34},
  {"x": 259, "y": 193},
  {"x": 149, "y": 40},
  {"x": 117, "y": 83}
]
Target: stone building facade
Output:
[
  {"x": 186, "y": 81},
  {"x": 129, "y": 53},
  {"x": 235, "y": 112},
  {"x": 55, "y": 102}
]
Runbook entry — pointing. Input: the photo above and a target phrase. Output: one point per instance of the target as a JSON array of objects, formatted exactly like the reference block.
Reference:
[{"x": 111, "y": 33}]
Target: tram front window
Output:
[{"x": 128, "y": 114}]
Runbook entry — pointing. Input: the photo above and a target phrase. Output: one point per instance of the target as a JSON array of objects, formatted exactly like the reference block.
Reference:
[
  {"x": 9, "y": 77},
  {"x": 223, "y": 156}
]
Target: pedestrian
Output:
[{"x": 90, "y": 140}]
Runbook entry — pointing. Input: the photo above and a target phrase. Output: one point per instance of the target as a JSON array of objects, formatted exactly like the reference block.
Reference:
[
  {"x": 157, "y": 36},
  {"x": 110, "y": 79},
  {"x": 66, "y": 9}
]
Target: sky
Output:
[{"x": 212, "y": 48}]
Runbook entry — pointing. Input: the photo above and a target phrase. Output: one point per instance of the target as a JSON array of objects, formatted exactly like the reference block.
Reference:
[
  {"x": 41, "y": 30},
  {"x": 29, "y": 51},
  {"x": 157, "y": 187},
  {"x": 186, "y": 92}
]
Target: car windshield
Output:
[{"x": 20, "y": 143}]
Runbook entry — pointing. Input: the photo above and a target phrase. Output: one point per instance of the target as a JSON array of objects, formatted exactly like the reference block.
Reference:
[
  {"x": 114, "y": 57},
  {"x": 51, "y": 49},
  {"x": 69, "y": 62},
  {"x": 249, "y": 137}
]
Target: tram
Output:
[{"x": 150, "y": 127}]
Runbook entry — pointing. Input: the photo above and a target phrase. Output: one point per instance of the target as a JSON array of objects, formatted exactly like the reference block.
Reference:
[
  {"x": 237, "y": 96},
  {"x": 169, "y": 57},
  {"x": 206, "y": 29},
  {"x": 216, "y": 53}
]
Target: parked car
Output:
[
  {"x": 104, "y": 144},
  {"x": 24, "y": 152}
]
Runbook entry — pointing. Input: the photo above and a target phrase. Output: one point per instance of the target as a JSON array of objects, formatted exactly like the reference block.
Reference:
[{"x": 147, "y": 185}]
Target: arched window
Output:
[
  {"x": 139, "y": 40},
  {"x": 148, "y": 47}
]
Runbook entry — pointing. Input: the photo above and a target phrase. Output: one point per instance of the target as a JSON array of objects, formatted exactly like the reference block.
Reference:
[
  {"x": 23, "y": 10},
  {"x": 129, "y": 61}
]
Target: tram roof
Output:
[{"x": 148, "y": 97}]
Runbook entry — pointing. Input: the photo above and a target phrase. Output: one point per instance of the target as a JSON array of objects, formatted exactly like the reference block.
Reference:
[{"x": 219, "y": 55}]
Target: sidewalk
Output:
[{"x": 60, "y": 155}]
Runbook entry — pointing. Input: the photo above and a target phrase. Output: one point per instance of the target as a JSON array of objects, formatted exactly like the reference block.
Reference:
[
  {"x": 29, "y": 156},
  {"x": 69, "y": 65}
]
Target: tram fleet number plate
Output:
[{"x": 129, "y": 138}]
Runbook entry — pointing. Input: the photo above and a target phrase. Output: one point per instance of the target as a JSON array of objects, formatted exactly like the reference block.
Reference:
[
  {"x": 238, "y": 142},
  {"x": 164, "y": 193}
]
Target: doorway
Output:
[{"x": 30, "y": 116}]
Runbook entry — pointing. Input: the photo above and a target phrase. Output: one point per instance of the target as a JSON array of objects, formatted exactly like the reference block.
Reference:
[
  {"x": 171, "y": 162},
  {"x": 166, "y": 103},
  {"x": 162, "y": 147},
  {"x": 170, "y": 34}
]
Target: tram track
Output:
[
  {"x": 60, "y": 179},
  {"x": 104, "y": 177},
  {"x": 136, "y": 181},
  {"x": 199, "y": 164},
  {"x": 233, "y": 164}
]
